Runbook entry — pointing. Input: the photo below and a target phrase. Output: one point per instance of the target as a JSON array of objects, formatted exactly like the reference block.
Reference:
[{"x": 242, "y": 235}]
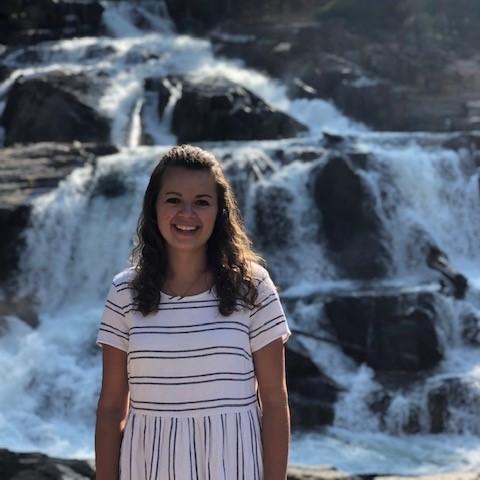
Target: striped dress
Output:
[{"x": 194, "y": 412}]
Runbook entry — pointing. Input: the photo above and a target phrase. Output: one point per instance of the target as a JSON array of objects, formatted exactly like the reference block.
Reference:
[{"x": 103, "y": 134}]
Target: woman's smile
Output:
[{"x": 186, "y": 208}]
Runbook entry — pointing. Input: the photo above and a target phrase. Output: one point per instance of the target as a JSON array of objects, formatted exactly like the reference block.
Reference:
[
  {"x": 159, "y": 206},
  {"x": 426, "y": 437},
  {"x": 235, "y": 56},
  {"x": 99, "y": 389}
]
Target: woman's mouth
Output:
[{"x": 185, "y": 229}]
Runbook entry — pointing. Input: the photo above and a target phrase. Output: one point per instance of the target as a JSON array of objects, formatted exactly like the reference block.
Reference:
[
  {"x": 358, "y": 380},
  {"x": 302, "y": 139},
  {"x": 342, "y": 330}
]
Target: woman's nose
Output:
[{"x": 187, "y": 208}]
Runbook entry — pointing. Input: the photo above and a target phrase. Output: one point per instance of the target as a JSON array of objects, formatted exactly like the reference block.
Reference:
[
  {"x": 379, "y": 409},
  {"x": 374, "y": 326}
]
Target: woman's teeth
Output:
[{"x": 185, "y": 228}]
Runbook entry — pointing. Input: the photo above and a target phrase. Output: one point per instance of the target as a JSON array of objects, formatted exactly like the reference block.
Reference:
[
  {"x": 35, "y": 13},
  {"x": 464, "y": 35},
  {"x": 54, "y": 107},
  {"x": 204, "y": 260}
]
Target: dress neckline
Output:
[{"x": 201, "y": 294}]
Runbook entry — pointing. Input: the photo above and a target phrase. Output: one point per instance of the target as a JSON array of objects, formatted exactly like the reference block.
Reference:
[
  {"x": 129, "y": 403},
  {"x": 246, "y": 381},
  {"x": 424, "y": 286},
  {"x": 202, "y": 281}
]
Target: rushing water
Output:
[{"x": 79, "y": 238}]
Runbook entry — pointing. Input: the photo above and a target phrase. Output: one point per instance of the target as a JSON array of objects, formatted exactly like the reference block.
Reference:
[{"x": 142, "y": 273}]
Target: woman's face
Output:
[{"x": 187, "y": 207}]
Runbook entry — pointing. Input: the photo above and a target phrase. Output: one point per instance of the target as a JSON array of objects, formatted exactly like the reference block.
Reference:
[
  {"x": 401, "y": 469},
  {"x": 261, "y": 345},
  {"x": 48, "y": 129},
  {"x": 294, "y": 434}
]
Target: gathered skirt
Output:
[{"x": 225, "y": 446}]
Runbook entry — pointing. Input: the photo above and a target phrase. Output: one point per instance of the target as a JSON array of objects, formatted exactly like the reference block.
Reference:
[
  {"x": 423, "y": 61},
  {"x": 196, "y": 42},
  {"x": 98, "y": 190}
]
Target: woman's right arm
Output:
[{"x": 112, "y": 412}]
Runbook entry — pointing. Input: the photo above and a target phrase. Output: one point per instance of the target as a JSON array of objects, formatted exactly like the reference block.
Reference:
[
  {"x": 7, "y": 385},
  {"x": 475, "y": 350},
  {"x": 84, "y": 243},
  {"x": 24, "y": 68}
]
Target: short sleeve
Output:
[
  {"x": 114, "y": 330},
  {"x": 267, "y": 319}
]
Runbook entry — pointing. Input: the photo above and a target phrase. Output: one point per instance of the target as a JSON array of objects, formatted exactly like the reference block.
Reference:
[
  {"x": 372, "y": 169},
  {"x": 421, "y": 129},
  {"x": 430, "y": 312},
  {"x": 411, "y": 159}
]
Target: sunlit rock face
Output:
[
  {"x": 216, "y": 109},
  {"x": 52, "y": 108}
]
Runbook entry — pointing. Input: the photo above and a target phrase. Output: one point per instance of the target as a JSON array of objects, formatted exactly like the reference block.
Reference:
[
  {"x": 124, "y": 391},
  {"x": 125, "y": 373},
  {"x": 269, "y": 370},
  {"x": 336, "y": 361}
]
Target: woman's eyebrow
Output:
[{"x": 179, "y": 194}]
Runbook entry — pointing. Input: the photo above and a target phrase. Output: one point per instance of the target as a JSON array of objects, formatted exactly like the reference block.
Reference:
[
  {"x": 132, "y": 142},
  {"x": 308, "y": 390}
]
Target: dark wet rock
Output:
[
  {"x": 195, "y": 16},
  {"x": 379, "y": 402},
  {"x": 13, "y": 221},
  {"x": 242, "y": 171},
  {"x": 5, "y": 72},
  {"x": 37, "y": 466},
  {"x": 273, "y": 226},
  {"x": 22, "y": 308},
  {"x": 312, "y": 394},
  {"x": 302, "y": 153},
  {"x": 218, "y": 109},
  {"x": 349, "y": 219},
  {"x": 469, "y": 141},
  {"x": 99, "y": 51},
  {"x": 332, "y": 139},
  {"x": 24, "y": 22},
  {"x": 470, "y": 325},
  {"x": 449, "y": 395},
  {"x": 53, "y": 108},
  {"x": 452, "y": 281},
  {"x": 163, "y": 88},
  {"x": 26, "y": 172},
  {"x": 394, "y": 331},
  {"x": 112, "y": 184}
]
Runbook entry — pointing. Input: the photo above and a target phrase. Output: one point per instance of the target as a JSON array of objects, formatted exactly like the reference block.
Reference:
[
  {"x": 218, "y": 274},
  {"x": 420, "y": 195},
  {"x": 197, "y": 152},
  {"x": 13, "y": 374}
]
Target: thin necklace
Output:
[{"x": 187, "y": 289}]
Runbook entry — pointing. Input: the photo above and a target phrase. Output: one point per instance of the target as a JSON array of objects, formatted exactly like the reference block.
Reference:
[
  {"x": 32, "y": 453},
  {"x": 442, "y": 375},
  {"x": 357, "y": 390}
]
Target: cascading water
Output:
[{"x": 80, "y": 236}]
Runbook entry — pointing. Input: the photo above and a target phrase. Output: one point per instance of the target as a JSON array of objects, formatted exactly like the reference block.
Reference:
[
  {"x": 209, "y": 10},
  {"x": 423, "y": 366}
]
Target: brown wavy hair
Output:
[{"x": 229, "y": 251}]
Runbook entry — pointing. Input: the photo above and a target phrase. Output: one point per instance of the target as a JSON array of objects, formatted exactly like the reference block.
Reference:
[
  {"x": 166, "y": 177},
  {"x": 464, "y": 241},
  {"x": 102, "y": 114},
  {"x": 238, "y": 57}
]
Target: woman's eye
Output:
[
  {"x": 172, "y": 200},
  {"x": 203, "y": 203}
]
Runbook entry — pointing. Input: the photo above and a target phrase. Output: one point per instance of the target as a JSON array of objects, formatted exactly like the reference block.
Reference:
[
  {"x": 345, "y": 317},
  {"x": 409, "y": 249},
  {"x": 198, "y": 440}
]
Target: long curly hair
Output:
[{"x": 229, "y": 252}]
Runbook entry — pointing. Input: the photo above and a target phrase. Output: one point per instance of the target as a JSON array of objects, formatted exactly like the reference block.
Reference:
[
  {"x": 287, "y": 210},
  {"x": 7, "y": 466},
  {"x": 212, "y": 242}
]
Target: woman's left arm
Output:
[{"x": 269, "y": 363}]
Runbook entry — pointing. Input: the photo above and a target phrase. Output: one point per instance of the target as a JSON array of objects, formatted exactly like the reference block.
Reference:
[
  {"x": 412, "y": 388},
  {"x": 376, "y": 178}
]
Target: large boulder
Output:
[
  {"x": 312, "y": 394},
  {"x": 351, "y": 224},
  {"x": 27, "y": 21},
  {"x": 52, "y": 109},
  {"x": 217, "y": 109},
  {"x": 393, "y": 331}
]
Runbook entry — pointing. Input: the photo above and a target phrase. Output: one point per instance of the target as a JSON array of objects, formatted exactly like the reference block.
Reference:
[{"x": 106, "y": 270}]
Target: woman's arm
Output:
[
  {"x": 112, "y": 410},
  {"x": 269, "y": 363}
]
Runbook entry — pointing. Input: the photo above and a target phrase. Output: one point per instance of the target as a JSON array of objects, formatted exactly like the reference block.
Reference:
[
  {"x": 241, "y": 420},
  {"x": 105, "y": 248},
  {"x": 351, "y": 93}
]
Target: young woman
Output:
[{"x": 193, "y": 360}]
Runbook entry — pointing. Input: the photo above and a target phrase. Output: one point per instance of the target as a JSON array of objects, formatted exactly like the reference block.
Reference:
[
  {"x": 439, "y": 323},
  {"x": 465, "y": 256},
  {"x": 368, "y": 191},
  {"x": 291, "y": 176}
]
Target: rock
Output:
[
  {"x": 46, "y": 109},
  {"x": 218, "y": 109},
  {"x": 393, "y": 331},
  {"x": 446, "y": 397},
  {"x": 312, "y": 394},
  {"x": 5, "y": 72},
  {"x": 26, "y": 172},
  {"x": 163, "y": 88},
  {"x": 390, "y": 71},
  {"x": 470, "y": 325},
  {"x": 296, "y": 472},
  {"x": 466, "y": 140},
  {"x": 242, "y": 171},
  {"x": 193, "y": 16},
  {"x": 31, "y": 22},
  {"x": 37, "y": 466},
  {"x": 273, "y": 226},
  {"x": 436, "y": 476},
  {"x": 349, "y": 219}
]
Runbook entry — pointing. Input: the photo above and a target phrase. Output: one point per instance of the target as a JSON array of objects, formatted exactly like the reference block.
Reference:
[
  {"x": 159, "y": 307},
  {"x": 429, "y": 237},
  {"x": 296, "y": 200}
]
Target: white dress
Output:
[{"x": 194, "y": 412}]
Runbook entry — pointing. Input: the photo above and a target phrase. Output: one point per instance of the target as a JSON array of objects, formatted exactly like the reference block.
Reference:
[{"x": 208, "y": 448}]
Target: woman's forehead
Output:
[{"x": 183, "y": 180}]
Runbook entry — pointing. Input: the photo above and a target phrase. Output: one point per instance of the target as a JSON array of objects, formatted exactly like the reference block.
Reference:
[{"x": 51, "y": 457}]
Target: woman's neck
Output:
[{"x": 187, "y": 270}]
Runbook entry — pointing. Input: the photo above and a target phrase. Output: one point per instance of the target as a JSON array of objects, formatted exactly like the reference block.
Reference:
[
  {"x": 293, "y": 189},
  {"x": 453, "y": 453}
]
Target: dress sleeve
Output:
[
  {"x": 267, "y": 319},
  {"x": 114, "y": 328}
]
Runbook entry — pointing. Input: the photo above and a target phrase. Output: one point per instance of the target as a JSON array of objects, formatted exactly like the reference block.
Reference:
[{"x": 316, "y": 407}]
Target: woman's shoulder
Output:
[
  {"x": 124, "y": 277},
  {"x": 259, "y": 273}
]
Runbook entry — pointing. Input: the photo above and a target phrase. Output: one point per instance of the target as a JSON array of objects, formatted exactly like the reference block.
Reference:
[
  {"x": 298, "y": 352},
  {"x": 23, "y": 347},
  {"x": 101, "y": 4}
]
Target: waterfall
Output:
[{"x": 81, "y": 234}]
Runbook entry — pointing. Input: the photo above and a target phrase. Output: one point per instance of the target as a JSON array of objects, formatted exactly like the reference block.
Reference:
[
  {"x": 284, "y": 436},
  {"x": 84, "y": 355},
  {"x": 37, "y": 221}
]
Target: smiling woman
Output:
[
  {"x": 186, "y": 209},
  {"x": 193, "y": 363}
]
